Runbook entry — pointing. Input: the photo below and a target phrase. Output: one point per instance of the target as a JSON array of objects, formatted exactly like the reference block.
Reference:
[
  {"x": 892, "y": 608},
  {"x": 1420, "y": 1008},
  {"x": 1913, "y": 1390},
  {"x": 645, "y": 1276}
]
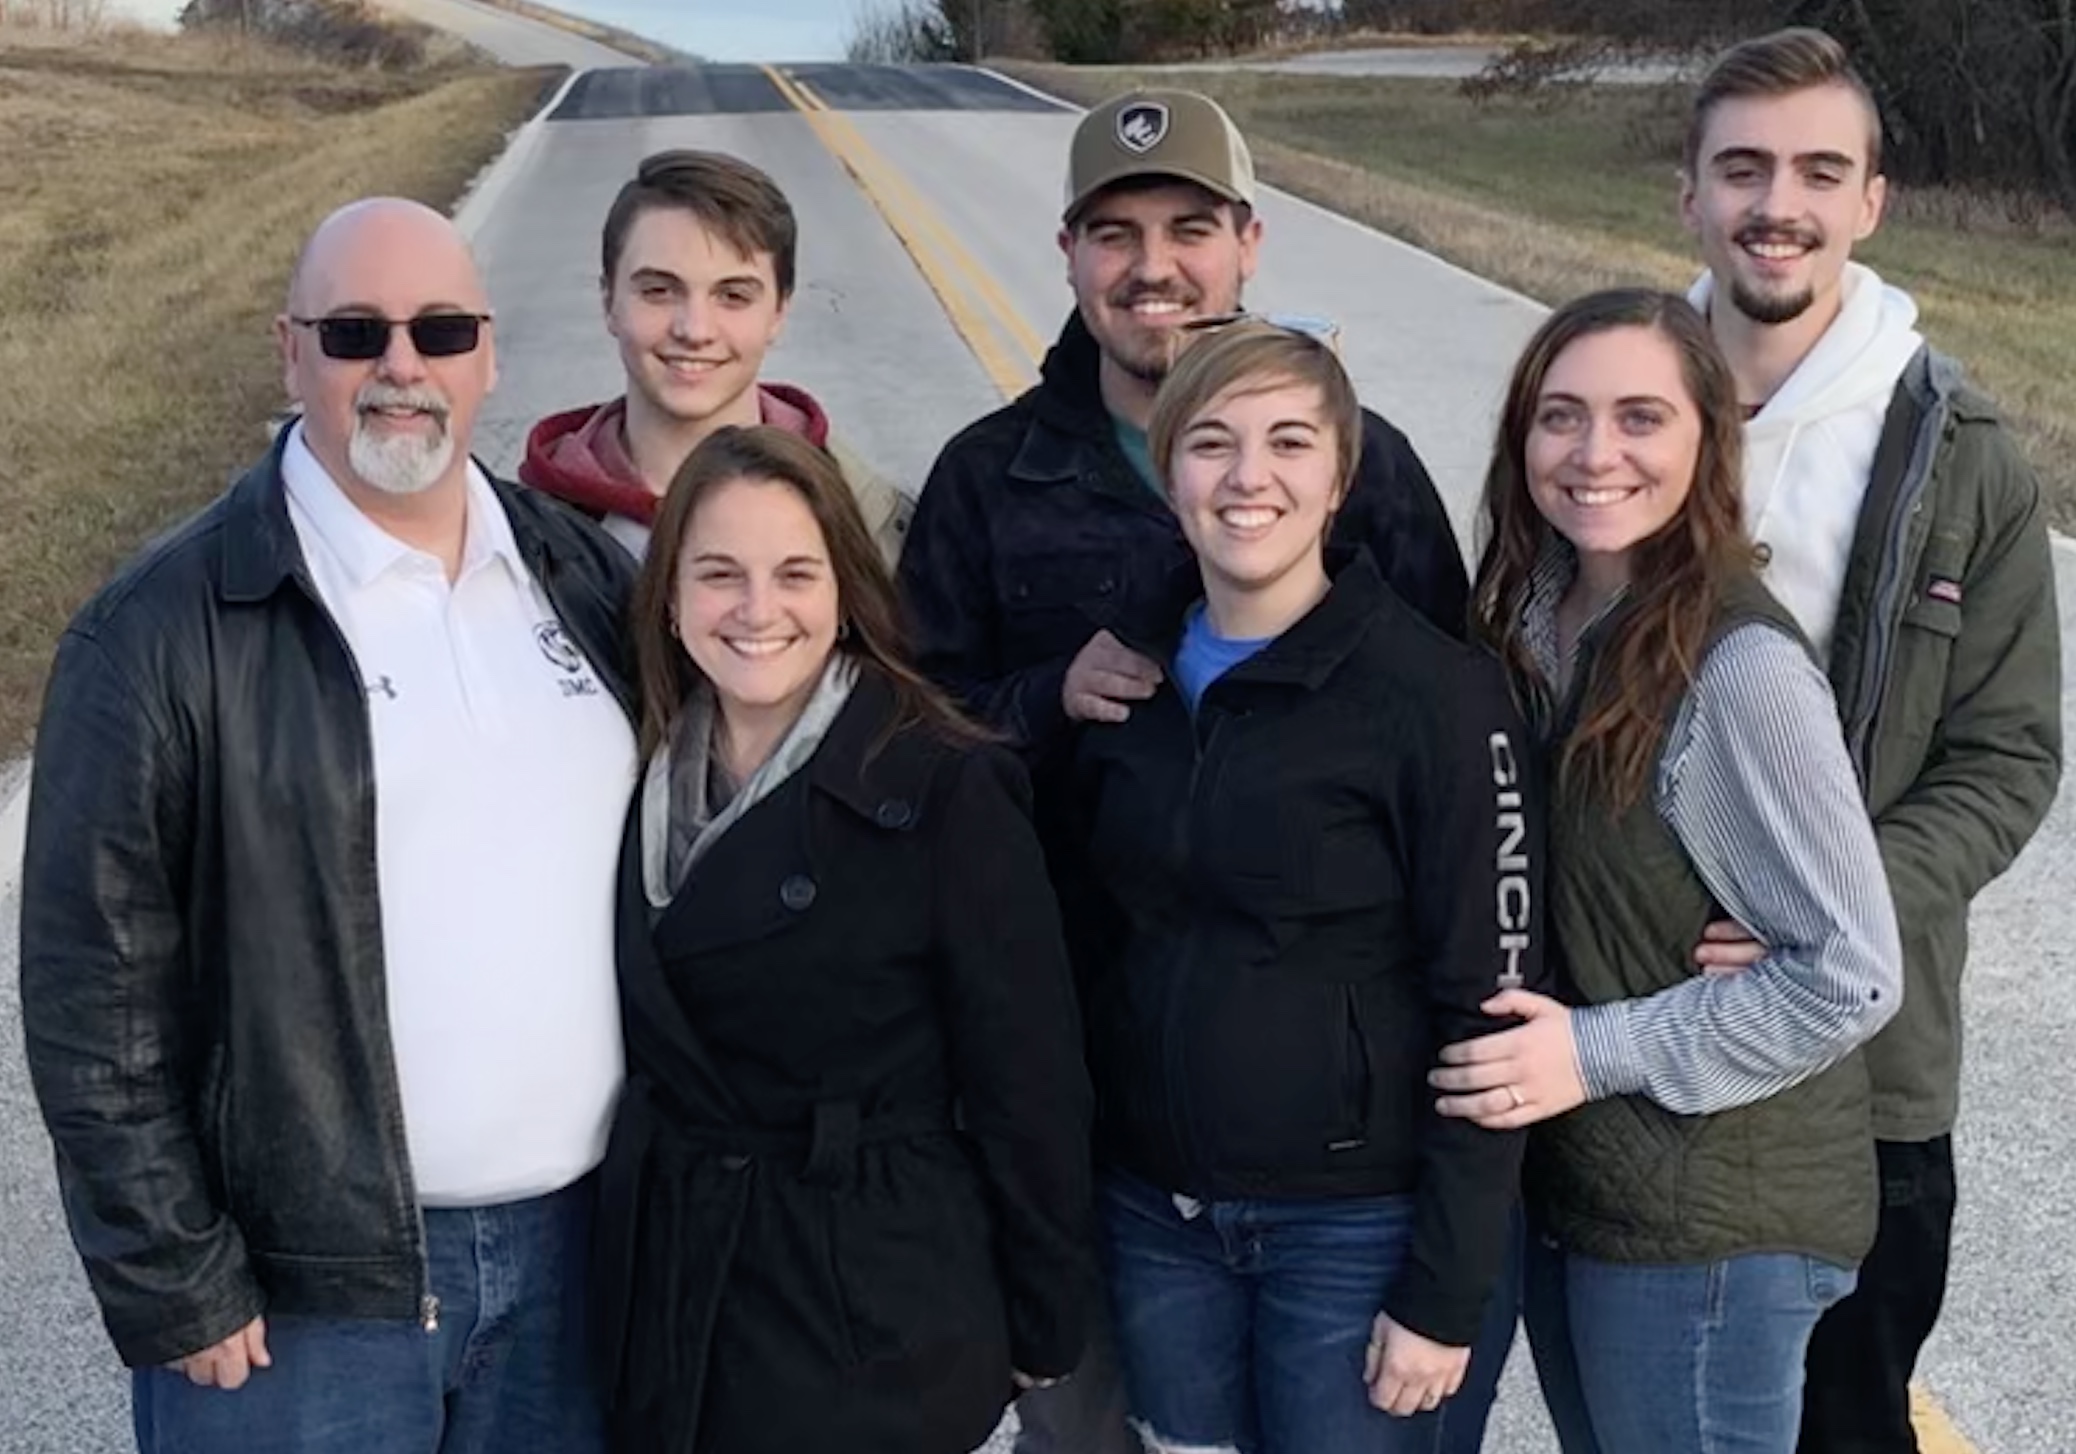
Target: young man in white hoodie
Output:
[{"x": 1894, "y": 517}]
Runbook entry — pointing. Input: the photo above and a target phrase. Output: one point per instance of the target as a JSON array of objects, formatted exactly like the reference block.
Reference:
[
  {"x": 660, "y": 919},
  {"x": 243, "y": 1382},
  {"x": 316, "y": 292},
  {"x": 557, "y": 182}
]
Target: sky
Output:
[{"x": 721, "y": 30}]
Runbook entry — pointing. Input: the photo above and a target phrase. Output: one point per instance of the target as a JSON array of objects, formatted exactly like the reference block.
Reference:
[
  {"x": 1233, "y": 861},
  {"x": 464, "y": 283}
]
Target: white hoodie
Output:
[{"x": 1810, "y": 450}]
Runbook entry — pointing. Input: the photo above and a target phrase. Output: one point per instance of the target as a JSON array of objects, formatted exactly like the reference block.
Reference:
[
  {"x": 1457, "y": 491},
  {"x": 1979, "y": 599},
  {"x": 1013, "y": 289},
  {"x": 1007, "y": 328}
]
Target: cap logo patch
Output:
[{"x": 1141, "y": 126}]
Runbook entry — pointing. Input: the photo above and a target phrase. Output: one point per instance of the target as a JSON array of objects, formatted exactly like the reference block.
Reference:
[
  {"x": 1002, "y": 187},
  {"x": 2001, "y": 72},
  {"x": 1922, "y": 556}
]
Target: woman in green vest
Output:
[{"x": 1701, "y": 1182}]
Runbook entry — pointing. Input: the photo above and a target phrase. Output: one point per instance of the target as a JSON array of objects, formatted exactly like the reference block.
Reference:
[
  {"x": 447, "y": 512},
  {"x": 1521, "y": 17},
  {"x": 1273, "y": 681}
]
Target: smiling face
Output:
[
  {"x": 1613, "y": 444},
  {"x": 693, "y": 317},
  {"x": 398, "y": 424},
  {"x": 757, "y": 605},
  {"x": 1780, "y": 190},
  {"x": 1255, "y": 477},
  {"x": 1144, "y": 261}
]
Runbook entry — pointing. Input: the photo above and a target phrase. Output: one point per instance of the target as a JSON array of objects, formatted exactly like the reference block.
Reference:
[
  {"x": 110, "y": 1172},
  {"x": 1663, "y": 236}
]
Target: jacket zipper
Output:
[
  {"x": 1189, "y": 1143},
  {"x": 1887, "y": 622}
]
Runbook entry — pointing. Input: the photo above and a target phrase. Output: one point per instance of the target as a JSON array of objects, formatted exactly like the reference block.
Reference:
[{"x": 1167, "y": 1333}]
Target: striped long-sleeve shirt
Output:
[{"x": 1755, "y": 783}]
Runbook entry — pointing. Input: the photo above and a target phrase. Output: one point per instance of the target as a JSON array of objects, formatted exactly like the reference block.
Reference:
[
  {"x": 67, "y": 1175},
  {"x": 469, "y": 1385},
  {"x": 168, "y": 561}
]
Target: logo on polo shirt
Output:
[{"x": 562, "y": 654}]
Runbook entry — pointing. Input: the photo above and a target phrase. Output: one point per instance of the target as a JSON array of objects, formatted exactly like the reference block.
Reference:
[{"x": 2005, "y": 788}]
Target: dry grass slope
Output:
[
  {"x": 1555, "y": 200},
  {"x": 153, "y": 192}
]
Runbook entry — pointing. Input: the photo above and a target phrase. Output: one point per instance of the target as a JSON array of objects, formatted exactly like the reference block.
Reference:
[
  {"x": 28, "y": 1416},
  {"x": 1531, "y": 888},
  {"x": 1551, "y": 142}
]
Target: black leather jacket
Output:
[{"x": 203, "y": 992}]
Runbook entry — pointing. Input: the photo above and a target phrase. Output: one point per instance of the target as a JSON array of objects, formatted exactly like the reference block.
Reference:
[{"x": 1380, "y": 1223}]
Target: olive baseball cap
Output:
[{"x": 1158, "y": 134}]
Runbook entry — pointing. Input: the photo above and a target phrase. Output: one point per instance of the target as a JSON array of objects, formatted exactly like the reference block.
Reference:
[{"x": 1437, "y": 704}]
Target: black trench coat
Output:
[{"x": 847, "y": 1188}]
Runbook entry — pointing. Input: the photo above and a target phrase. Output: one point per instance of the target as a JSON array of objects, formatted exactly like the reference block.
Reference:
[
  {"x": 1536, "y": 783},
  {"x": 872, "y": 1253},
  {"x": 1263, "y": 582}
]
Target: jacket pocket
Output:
[
  {"x": 1931, "y": 624},
  {"x": 911, "y": 1254},
  {"x": 1053, "y": 602},
  {"x": 1283, "y": 1071},
  {"x": 1354, "y": 1133}
]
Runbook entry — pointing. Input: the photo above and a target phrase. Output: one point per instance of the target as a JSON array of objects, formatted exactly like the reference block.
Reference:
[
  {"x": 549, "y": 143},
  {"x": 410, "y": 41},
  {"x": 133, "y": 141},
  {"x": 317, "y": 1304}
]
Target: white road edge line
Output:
[
  {"x": 14, "y": 824},
  {"x": 487, "y": 188}
]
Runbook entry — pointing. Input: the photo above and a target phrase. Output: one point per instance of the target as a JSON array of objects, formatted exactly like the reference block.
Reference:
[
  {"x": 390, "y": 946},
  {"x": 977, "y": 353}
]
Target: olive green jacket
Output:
[
  {"x": 1946, "y": 660},
  {"x": 1623, "y": 1179}
]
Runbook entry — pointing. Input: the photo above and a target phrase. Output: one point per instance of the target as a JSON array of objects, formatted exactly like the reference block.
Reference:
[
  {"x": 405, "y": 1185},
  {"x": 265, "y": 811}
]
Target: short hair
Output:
[
  {"x": 1255, "y": 356},
  {"x": 728, "y": 196},
  {"x": 1780, "y": 64}
]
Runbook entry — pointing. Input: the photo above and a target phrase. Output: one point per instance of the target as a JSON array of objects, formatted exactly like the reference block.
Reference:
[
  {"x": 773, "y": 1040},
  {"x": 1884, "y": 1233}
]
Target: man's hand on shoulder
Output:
[
  {"x": 228, "y": 1364},
  {"x": 1105, "y": 678}
]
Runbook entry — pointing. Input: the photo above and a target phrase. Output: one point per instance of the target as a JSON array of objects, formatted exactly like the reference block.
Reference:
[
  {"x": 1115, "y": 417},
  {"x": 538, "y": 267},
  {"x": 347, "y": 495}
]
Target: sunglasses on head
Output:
[
  {"x": 363, "y": 336},
  {"x": 1319, "y": 330}
]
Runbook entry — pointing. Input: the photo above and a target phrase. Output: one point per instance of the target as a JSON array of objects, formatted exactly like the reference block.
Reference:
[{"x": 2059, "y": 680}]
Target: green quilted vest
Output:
[{"x": 1623, "y": 1179}]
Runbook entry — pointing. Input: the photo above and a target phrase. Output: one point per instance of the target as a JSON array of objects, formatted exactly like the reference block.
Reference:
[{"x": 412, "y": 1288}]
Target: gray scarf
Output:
[{"x": 679, "y": 819}]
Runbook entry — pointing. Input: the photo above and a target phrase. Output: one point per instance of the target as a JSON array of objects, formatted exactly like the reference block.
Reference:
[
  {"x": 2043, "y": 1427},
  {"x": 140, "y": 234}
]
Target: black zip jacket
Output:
[
  {"x": 1302, "y": 894},
  {"x": 1034, "y": 531},
  {"x": 203, "y": 994}
]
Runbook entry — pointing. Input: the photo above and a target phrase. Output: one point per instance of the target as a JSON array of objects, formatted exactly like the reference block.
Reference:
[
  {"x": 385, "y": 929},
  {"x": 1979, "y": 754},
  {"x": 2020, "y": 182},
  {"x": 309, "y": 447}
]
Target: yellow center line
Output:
[
  {"x": 926, "y": 217},
  {"x": 1007, "y": 349},
  {"x": 1936, "y": 1433}
]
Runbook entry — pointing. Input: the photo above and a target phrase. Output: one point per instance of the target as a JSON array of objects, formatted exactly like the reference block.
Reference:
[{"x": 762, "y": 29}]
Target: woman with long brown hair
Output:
[
  {"x": 1702, "y": 1182},
  {"x": 845, "y": 1200}
]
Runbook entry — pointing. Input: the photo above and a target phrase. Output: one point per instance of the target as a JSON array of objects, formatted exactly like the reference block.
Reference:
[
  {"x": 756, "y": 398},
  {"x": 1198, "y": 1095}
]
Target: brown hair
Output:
[
  {"x": 1780, "y": 64},
  {"x": 728, "y": 196},
  {"x": 1677, "y": 576},
  {"x": 864, "y": 589},
  {"x": 1254, "y": 356}
]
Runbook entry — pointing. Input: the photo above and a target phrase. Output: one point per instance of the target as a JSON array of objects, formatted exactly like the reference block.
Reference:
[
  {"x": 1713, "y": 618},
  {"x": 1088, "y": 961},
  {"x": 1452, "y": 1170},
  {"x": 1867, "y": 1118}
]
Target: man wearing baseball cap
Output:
[
  {"x": 1043, "y": 540},
  {"x": 1047, "y": 507}
]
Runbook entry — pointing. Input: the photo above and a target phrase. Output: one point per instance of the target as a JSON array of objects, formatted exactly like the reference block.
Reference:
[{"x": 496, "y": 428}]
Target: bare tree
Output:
[
  {"x": 898, "y": 33},
  {"x": 1976, "y": 94}
]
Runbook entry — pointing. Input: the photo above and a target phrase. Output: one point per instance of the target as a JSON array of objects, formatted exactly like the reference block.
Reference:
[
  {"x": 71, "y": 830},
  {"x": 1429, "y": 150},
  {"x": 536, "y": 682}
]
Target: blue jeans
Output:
[
  {"x": 1244, "y": 1324},
  {"x": 505, "y": 1372},
  {"x": 1643, "y": 1358}
]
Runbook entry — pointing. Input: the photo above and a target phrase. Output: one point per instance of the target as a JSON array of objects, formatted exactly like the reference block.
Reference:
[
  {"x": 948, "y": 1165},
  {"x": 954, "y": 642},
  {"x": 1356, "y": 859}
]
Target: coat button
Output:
[
  {"x": 797, "y": 892},
  {"x": 1762, "y": 555},
  {"x": 893, "y": 813},
  {"x": 735, "y": 1161}
]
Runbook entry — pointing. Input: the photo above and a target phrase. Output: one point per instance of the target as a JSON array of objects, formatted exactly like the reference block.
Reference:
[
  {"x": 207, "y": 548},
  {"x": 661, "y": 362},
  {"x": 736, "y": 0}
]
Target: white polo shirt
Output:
[{"x": 503, "y": 769}]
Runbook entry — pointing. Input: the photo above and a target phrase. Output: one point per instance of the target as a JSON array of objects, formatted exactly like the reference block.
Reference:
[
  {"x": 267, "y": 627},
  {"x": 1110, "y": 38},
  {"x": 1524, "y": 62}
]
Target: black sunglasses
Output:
[{"x": 361, "y": 336}]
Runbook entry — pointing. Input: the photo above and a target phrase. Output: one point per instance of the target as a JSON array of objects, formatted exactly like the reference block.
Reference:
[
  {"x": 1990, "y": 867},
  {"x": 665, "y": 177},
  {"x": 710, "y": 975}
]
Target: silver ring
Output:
[{"x": 1515, "y": 1092}]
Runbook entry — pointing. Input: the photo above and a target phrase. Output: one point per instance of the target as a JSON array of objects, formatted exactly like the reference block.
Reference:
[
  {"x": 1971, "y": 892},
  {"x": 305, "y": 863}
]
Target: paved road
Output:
[
  {"x": 923, "y": 298},
  {"x": 512, "y": 39}
]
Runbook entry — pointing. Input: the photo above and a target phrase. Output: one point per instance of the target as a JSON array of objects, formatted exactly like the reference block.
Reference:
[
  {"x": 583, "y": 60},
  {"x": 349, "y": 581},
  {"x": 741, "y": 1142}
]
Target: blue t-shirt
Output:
[
  {"x": 1206, "y": 656},
  {"x": 1137, "y": 449}
]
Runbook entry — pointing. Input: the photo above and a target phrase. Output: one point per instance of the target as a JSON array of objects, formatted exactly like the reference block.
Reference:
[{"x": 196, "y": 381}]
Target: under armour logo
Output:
[{"x": 383, "y": 685}]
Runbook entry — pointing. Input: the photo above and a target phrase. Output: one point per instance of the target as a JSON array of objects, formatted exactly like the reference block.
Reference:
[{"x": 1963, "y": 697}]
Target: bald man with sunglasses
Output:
[{"x": 317, "y": 961}]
